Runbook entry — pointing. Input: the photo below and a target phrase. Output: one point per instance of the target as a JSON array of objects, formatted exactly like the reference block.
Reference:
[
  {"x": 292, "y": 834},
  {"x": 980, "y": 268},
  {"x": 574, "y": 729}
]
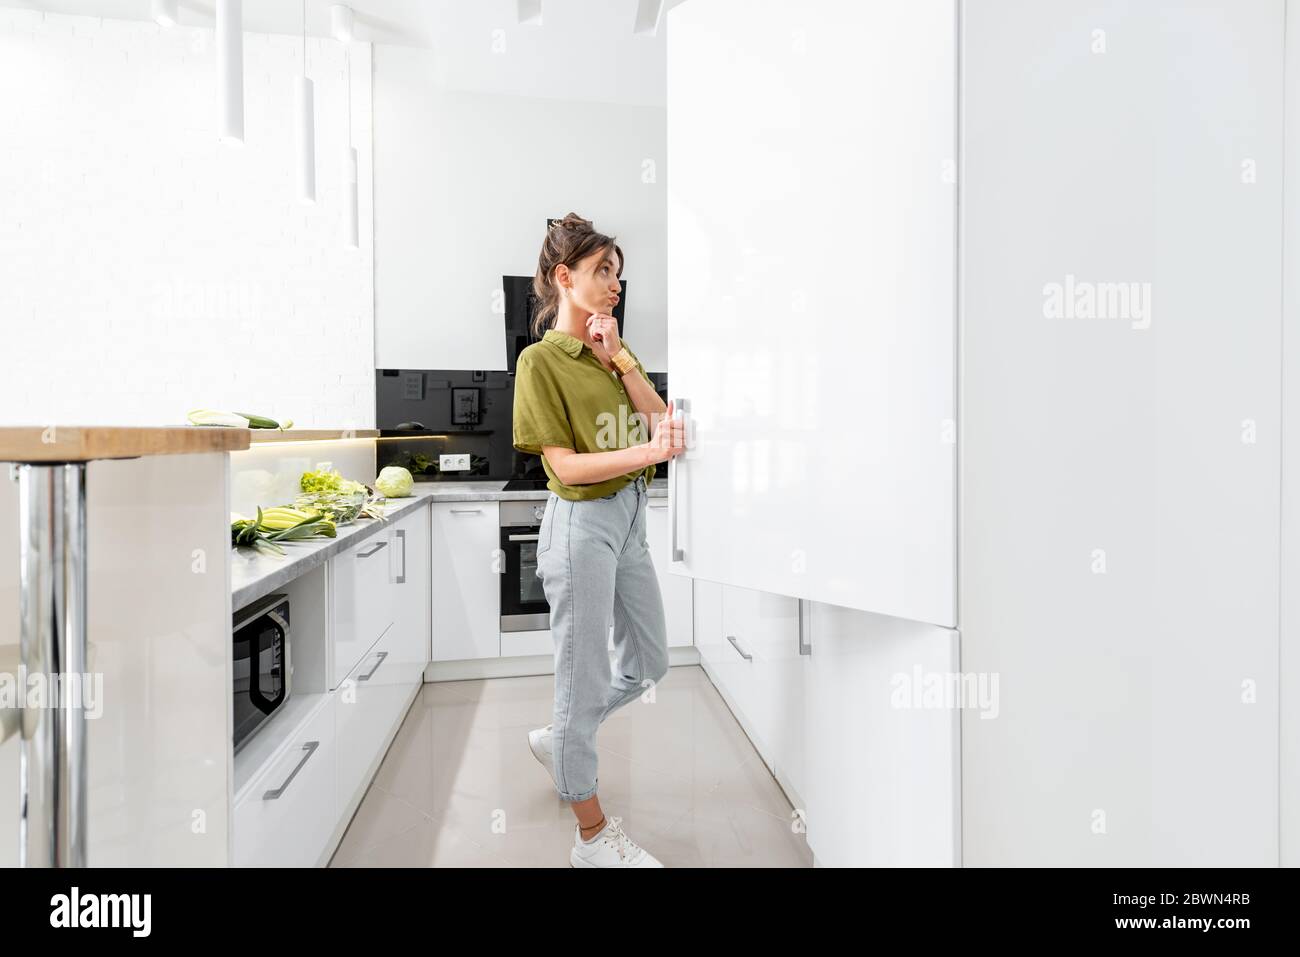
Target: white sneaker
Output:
[
  {"x": 609, "y": 848},
  {"x": 539, "y": 741}
]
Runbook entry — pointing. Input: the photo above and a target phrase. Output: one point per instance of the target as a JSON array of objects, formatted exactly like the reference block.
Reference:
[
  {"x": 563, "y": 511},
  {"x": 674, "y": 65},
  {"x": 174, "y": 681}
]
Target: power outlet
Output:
[{"x": 454, "y": 463}]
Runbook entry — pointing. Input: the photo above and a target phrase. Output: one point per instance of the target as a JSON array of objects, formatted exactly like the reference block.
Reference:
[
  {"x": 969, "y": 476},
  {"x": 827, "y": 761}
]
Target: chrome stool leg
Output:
[{"x": 52, "y": 607}]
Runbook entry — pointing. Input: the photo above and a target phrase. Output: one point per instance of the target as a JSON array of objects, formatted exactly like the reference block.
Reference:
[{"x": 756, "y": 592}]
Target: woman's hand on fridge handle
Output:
[{"x": 669, "y": 438}]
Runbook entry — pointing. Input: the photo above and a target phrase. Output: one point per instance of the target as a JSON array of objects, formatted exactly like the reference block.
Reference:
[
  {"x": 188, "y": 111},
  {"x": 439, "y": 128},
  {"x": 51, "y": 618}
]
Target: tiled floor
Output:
[{"x": 460, "y": 788}]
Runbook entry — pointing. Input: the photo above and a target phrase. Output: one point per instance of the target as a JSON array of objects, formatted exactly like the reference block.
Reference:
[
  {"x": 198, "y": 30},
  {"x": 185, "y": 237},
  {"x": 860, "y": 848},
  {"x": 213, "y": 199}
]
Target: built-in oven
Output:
[
  {"x": 262, "y": 668},
  {"x": 523, "y": 602}
]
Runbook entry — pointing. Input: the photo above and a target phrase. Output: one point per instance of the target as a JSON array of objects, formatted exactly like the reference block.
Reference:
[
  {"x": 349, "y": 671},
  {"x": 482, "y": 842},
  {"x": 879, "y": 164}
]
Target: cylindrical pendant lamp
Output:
[
  {"x": 306, "y": 121},
  {"x": 230, "y": 70}
]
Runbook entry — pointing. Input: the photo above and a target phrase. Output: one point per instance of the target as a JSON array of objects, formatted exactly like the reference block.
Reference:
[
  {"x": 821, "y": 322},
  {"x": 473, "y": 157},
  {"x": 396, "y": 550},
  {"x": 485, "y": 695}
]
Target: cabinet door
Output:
[
  {"x": 1122, "y": 317},
  {"x": 882, "y": 776},
  {"x": 676, "y": 589},
  {"x": 362, "y": 598},
  {"x": 706, "y": 613},
  {"x": 811, "y": 275},
  {"x": 290, "y": 812},
  {"x": 369, "y": 702},
  {"x": 735, "y": 663},
  {"x": 411, "y": 587},
  {"x": 466, "y": 581},
  {"x": 778, "y": 696}
]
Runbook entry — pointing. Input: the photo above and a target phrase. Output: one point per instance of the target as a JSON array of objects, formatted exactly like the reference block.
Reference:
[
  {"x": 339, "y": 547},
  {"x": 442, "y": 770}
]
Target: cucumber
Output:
[{"x": 259, "y": 421}]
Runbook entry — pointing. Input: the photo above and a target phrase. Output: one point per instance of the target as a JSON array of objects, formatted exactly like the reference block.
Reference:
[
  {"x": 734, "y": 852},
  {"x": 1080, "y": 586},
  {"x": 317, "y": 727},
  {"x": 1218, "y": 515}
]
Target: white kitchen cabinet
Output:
[
  {"x": 361, "y": 597},
  {"x": 778, "y": 692},
  {"x": 881, "y": 782},
  {"x": 288, "y": 813},
  {"x": 466, "y": 581},
  {"x": 760, "y": 668},
  {"x": 706, "y": 615},
  {"x": 735, "y": 665},
  {"x": 675, "y": 589},
  {"x": 368, "y": 704},
  {"x": 858, "y": 402},
  {"x": 411, "y": 584},
  {"x": 1094, "y": 200}
]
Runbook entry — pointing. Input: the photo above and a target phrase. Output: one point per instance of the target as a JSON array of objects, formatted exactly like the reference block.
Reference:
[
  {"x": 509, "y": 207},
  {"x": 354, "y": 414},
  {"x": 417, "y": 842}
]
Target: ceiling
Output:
[{"x": 583, "y": 49}]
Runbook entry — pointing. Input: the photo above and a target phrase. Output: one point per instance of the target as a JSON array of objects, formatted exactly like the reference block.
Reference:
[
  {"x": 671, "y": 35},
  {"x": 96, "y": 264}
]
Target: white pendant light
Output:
[
  {"x": 230, "y": 70},
  {"x": 529, "y": 12},
  {"x": 342, "y": 23},
  {"x": 351, "y": 219},
  {"x": 352, "y": 225},
  {"x": 306, "y": 97},
  {"x": 165, "y": 12},
  {"x": 648, "y": 13}
]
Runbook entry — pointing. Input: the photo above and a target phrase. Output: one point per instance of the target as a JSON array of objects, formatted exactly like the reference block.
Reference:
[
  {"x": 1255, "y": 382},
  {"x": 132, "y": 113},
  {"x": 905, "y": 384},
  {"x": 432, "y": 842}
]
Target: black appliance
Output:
[
  {"x": 262, "y": 668},
  {"x": 523, "y": 601},
  {"x": 520, "y": 306}
]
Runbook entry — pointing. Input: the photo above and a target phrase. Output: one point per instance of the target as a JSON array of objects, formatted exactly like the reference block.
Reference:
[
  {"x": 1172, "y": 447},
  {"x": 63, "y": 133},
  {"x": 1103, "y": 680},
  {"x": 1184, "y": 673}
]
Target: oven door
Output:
[{"x": 523, "y": 601}]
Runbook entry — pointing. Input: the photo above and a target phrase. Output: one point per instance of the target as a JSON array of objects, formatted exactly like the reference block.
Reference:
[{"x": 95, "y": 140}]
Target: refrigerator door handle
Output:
[{"x": 680, "y": 407}]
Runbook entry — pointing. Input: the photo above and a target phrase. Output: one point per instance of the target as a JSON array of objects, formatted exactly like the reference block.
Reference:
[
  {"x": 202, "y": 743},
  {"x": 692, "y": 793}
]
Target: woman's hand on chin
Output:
[{"x": 603, "y": 329}]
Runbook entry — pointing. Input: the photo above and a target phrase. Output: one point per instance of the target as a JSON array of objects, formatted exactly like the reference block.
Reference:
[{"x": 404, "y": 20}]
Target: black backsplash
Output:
[{"x": 424, "y": 413}]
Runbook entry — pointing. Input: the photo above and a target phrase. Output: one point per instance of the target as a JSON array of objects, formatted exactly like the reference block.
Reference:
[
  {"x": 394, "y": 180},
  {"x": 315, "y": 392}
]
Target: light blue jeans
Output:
[{"x": 593, "y": 561}]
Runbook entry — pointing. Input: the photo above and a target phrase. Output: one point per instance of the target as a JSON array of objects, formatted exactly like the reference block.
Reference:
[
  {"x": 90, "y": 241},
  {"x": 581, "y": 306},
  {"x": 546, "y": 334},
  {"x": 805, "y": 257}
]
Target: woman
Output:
[{"x": 581, "y": 396}]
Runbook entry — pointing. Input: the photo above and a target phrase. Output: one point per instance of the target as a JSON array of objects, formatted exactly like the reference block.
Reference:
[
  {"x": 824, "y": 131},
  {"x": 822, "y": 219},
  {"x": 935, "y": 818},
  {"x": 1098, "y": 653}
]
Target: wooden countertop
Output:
[
  {"x": 69, "y": 443},
  {"x": 263, "y": 436}
]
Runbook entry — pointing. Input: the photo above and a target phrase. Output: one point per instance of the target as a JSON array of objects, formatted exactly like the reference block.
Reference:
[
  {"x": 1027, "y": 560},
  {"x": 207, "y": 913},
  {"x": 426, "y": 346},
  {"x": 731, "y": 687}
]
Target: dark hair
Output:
[{"x": 569, "y": 241}]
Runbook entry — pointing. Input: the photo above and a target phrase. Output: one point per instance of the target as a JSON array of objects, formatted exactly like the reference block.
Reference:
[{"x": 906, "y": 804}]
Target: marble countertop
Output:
[
  {"x": 477, "y": 491},
  {"x": 254, "y": 575}
]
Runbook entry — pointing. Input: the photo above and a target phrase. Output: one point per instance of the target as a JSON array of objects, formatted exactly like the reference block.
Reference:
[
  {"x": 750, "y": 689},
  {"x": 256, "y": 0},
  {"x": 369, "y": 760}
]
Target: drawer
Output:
[
  {"x": 369, "y": 703},
  {"x": 286, "y": 818},
  {"x": 361, "y": 589}
]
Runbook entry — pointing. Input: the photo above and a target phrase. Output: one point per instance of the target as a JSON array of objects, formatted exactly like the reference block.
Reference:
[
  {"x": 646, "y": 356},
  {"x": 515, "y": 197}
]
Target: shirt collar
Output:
[{"x": 570, "y": 344}]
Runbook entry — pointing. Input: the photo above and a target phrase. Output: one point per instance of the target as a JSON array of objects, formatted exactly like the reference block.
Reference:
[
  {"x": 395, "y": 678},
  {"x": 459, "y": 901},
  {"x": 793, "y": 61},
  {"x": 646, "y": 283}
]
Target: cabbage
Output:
[{"x": 394, "y": 482}]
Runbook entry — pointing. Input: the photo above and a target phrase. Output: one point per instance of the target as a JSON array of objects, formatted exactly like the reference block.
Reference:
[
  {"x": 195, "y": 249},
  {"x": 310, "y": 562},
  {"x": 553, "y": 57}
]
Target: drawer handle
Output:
[
  {"x": 657, "y": 505},
  {"x": 377, "y": 547},
  {"x": 401, "y": 534},
  {"x": 308, "y": 750},
  {"x": 370, "y": 674},
  {"x": 732, "y": 639},
  {"x": 522, "y": 538},
  {"x": 465, "y": 511}
]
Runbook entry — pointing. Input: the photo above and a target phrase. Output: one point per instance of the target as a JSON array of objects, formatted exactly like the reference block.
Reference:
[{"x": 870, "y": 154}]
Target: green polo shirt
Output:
[{"x": 564, "y": 396}]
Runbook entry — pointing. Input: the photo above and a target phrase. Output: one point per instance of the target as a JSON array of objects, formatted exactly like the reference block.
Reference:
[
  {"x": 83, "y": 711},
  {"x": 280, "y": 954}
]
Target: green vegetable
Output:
[
  {"x": 262, "y": 422},
  {"x": 211, "y": 417},
  {"x": 328, "y": 480},
  {"x": 276, "y": 525},
  {"x": 342, "y": 507},
  {"x": 394, "y": 482}
]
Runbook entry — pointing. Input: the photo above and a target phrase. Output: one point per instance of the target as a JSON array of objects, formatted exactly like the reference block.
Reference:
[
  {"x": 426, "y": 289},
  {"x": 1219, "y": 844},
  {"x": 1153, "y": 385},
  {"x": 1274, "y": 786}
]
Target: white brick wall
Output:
[{"x": 146, "y": 268}]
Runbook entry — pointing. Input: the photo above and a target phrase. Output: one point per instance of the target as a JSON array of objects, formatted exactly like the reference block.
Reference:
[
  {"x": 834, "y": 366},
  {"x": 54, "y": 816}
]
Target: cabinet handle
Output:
[
  {"x": 465, "y": 511},
  {"x": 401, "y": 534},
  {"x": 308, "y": 750},
  {"x": 732, "y": 639},
  {"x": 371, "y": 673},
  {"x": 680, "y": 406},
  {"x": 523, "y": 538},
  {"x": 378, "y": 546},
  {"x": 658, "y": 504}
]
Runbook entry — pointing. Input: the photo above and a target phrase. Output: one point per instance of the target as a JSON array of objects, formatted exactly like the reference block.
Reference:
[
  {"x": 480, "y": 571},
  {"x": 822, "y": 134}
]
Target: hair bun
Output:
[{"x": 571, "y": 221}]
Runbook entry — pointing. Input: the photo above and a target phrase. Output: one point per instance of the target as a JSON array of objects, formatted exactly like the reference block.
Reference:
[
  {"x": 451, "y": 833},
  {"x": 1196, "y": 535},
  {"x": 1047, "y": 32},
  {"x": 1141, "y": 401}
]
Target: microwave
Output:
[{"x": 262, "y": 669}]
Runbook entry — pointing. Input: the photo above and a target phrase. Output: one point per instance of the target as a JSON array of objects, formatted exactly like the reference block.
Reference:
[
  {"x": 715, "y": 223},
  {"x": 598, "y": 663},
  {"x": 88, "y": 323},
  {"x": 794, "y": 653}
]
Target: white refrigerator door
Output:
[{"x": 811, "y": 274}]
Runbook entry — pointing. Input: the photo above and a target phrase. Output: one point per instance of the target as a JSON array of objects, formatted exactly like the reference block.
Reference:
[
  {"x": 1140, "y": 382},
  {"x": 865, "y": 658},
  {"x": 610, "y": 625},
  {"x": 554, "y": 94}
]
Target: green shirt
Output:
[{"x": 565, "y": 396}]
